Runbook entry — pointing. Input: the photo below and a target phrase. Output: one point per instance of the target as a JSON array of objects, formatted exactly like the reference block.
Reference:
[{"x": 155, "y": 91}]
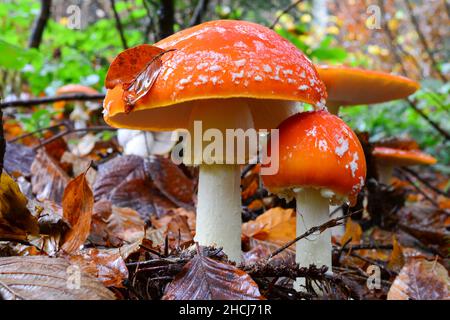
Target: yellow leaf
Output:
[
  {"x": 397, "y": 259},
  {"x": 353, "y": 231}
]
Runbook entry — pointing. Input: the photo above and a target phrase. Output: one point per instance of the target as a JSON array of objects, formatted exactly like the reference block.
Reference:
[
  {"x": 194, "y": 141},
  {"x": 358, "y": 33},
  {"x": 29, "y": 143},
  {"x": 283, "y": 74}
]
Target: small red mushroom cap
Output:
[
  {"x": 318, "y": 150},
  {"x": 399, "y": 157}
]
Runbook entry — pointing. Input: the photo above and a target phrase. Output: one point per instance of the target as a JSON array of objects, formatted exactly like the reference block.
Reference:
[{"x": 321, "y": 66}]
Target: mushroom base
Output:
[
  {"x": 312, "y": 210},
  {"x": 219, "y": 209}
]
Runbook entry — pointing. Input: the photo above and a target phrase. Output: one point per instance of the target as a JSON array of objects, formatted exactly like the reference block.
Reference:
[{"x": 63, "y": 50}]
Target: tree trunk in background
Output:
[
  {"x": 39, "y": 24},
  {"x": 167, "y": 18},
  {"x": 2, "y": 141}
]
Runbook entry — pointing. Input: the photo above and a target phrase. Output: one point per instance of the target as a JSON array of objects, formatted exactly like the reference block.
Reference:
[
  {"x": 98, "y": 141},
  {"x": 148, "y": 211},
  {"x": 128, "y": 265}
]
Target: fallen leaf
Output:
[
  {"x": 136, "y": 69},
  {"x": 77, "y": 203},
  {"x": 44, "y": 278},
  {"x": 114, "y": 226},
  {"x": 397, "y": 259},
  {"x": 420, "y": 279},
  {"x": 106, "y": 265},
  {"x": 178, "y": 226},
  {"x": 203, "y": 278},
  {"x": 353, "y": 231},
  {"x": 16, "y": 221},
  {"x": 47, "y": 178},
  {"x": 276, "y": 225},
  {"x": 18, "y": 159}
]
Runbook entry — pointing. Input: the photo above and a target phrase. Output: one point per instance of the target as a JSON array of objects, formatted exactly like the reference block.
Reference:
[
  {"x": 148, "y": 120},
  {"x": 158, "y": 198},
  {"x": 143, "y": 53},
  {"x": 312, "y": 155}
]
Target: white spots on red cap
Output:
[
  {"x": 267, "y": 68},
  {"x": 259, "y": 46},
  {"x": 312, "y": 132},
  {"x": 288, "y": 72},
  {"x": 202, "y": 65},
  {"x": 240, "y": 63},
  {"x": 342, "y": 148},
  {"x": 303, "y": 74},
  {"x": 215, "y": 68},
  {"x": 107, "y": 107},
  {"x": 258, "y": 78},
  {"x": 353, "y": 165},
  {"x": 323, "y": 145},
  {"x": 237, "y": 75},
  {"x": 303, "y": 87},
  {"x": 241, "y": 45}
]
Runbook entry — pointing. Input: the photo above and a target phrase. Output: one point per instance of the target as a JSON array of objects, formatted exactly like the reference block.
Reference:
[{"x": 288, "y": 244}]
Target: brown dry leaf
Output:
[
  {"x": 114, "y": 226},
  {"x": 353, "y": 231},
  {"x": 106, "y": 265},
  {"x": 420, "y": 279},
  {"x": 136, "y": 69},
  {"x": 78, "y": 203},
  {"x": 397, "y": 259},
  {"x": 171, "y": 181},
  {"x": 276, "y": 225},
  {"x": 47, "y": 178},
  {"x": 203, "y": 278},
  {"x": 44, "y": 278},
  {"x": 18, "y": 159},
  {"x": 16, "y": 221},
  {"x": 125, "y": 181}
]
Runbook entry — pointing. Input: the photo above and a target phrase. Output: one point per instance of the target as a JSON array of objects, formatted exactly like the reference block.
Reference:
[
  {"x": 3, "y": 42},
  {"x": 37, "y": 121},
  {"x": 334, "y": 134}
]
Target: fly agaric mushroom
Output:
[
  {"x": 320, "y": 160},
  {"x": 353, "y": 86},
  {"x": 229, "y": 75},
  {"x": 387, "y": 158}
]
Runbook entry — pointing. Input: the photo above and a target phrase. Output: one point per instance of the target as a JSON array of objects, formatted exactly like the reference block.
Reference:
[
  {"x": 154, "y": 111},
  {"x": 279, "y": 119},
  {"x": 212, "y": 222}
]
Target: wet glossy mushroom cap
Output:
[
  {"x": 72, "y": 89},
  {"x": 352, "y": 86},
  {"x": 399, "y": 157},
  {"x": 318, "y": 150},
  {"x": 217, "y": 60}
]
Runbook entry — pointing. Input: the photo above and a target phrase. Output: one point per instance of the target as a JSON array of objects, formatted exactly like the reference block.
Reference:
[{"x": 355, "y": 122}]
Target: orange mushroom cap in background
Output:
[
  {"x": 399, "y": 157},
  {"x": 70, "y": 89},
  {"x": 318, "y": 150},
  {"x": 216, "y": 60},
  {"x": 352, "y": 86}
]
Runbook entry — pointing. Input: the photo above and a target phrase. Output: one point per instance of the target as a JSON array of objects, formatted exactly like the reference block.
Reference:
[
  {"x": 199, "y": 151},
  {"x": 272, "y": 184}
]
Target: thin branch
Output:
[
  {"x": 2, "y": 142},
  {"x": 436, "y": 126},
  {"x": 285, "y": 10},
  {"x": 329, "y": 224},
  {"x": 425, "y": 182},
  {"x": 39, "y": 24},
  {"x": 423, "y": 40},
  {"x": 199, "y": 11},
  {"x": 119, "y": 24},
  {"x": 44, "y": 100}
]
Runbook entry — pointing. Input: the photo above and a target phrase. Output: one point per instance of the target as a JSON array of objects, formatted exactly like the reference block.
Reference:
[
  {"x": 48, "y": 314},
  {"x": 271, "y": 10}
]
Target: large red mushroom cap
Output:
[
  {"x": 352, "y": 86},
  {"x": 217, "y": 60},
  {"x": 318, "y": 150},
  {"x": 399, "y": 157}
]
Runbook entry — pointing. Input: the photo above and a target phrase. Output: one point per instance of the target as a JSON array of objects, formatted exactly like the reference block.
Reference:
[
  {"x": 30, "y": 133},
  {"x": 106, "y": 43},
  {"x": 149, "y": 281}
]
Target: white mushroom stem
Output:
[
  {"x": 337, "y": 212},
  {"x": 312, "y": 210},
  {"x": 385, "y": 173},
  {"x": 219, "y": 211}
]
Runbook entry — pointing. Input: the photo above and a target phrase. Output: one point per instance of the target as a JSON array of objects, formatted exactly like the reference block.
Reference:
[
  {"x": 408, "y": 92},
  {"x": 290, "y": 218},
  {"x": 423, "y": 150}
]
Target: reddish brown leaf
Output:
[
  {"x": 44, "y": 278},
  {"x": 397, "y": 259},
  {"x": 114, "y": 226},
  {"x": 420, "y": 279},
  {"x": 203, "y": 278},
  {"x": 106, "y": 265},
  {"x": 47, "y": 178},
  {"x": 78, "y": 202},
  {"x": 136, "y": 69}
]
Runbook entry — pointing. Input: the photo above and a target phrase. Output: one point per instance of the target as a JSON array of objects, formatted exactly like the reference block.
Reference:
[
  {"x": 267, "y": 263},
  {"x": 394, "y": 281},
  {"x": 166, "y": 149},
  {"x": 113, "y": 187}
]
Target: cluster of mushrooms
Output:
[{"x": 240, "y": 75}]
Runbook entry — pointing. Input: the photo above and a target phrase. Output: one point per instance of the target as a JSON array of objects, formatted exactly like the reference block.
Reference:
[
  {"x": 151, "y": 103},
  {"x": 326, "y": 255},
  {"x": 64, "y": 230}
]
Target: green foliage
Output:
[{"x": 36, "y": 120}]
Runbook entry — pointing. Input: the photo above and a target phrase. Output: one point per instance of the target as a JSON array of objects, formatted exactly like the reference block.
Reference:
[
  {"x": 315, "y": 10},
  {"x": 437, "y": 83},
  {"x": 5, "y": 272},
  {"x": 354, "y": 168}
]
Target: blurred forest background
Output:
[{"x": 47, "y": 44}]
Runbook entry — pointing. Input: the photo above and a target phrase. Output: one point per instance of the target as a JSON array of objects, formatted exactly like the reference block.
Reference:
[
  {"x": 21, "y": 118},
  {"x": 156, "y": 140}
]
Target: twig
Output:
[
  {"x": 39, "y": 24},
  {"x": 285, "y": 10},
  {"x": 419, "y": 190},
  {"x": 199, "y": 11},
  {"x": 426, "y": 183},
  {"x": 36, "y": 131},
  {"x": 423, "y": 40},
  {"x": 444, "y": 133},
  {"x": 2, "y": 142},
  {"x": 119, "y": 24},
  {"x": 292, "y": 271},
  {"x": 44, "y": 100},
  {"x": 70, "y": 130},
  {"x": 321, "y": 228}
]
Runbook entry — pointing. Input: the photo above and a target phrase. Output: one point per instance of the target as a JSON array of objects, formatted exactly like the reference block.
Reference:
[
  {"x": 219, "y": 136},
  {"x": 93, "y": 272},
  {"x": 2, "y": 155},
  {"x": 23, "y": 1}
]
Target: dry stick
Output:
[
  {"x": 39, "y": 24},
  {"x": 36, "y": 131},
  {"x": 436, "y": 126},
  {"x": 423, "y": 40},
  {"x": 321, "y": 228},
  {"x": 69, "y": 131},
  {"x": 285, "y": 10},
  {"x": 426, "y": 183},
  {"x": 119, "y": 24},
  {"x": 44, "y": 100},
  {"x": 411, "y": 182}
]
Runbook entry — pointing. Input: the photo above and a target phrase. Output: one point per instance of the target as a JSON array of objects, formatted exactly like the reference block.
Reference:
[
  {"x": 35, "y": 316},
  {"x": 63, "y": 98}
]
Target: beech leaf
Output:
[
  {"x": 203, "y": 278},
  {"x": 45, "y": 278},
  {"x": 78, "y": 203}
]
